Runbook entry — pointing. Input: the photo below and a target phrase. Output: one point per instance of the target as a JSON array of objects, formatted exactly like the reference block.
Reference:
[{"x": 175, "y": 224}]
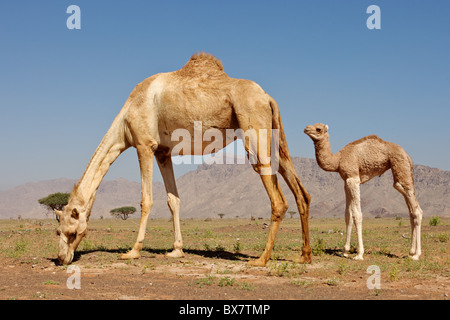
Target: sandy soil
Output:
[{"x": 195, "y": 277}]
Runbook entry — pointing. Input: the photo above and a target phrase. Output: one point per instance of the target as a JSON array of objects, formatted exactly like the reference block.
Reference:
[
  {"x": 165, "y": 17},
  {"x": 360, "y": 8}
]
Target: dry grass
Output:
[
  {"x": 215, "y": 261},
  {"x": 26, "y": 241}
]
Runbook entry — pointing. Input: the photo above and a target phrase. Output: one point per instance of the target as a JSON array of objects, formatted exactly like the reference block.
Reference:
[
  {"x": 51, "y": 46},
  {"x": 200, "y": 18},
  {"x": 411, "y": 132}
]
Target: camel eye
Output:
[{"x": 318, "y": 130}]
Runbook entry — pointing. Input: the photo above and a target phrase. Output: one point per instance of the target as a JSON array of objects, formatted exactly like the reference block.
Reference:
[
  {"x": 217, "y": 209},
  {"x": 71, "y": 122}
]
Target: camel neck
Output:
[
  {"x": 111, "y": 146},
  {"x": 325, "y": 158}
]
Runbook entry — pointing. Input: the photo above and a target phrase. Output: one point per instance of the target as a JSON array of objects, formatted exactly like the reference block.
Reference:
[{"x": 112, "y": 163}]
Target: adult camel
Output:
[{"x": 200, "y": 92}]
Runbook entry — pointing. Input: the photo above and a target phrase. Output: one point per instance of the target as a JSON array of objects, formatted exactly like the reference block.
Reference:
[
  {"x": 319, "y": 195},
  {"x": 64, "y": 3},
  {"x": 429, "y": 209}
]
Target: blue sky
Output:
[{"x": 60, "y": 89}]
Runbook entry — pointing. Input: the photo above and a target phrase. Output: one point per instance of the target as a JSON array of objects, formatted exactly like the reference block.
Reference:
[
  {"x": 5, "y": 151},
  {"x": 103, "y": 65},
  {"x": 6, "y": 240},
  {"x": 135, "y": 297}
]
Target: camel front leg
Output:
[
  {"x": 145, "y": 155},
  {"x": 173, "y": 200},
  {"x": 352, "y": 187}
]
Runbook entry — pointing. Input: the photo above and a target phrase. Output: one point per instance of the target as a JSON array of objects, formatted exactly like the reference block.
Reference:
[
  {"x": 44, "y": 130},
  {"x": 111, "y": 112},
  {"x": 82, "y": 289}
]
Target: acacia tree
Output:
[
  {"x": 55, "y": 201},
  {"x": 122, "y": 212}
]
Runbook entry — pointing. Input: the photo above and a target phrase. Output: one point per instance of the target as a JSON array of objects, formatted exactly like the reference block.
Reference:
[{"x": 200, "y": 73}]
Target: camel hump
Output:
[
  {"x": 202, "y": 64},
  {"x": 204, "y": 57},
  {"x": 371, "y": 138}
]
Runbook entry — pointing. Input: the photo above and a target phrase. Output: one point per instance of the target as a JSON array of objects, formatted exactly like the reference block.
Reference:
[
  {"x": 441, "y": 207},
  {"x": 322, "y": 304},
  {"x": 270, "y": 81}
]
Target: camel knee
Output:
[
  {"x": 416, "y": 216},
  {"x": 263, "y": 169},
  {"x": 399, "y": 187},
  {"x": 307, "y": 198},
  {"x": 304, "y": 202},
  {"x": 173, "y": 202},
  {"x": 278, "y": 211},
  {"x": 303, "y": 199},
  {"x": 146, "y": 206}
]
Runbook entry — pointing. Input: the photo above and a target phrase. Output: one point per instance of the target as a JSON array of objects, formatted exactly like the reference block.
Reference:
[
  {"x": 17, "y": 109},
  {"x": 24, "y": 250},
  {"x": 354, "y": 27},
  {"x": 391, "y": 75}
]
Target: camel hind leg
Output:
[
  {"x": 348, "y": 223},
  {"x": 279, "y": 207},
  {"x": 280, "y": 161},
  {"x": 402, "y": 172},
  {"x": 259, "y": 145},
  {"x": 256, "y": 138},
  {"x": 302, "y": 199}
]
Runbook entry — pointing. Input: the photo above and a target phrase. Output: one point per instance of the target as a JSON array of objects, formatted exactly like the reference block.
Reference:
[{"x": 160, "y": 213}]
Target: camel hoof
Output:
[
  {"x": 256, "y": 263},
  {"x": 414, "y": 257},
  {"x": 305, "y": 260},
  {"x": 359, "y": 258},
  {"x": 176, "y": 253},
  {"x": 132, "y": 254}
]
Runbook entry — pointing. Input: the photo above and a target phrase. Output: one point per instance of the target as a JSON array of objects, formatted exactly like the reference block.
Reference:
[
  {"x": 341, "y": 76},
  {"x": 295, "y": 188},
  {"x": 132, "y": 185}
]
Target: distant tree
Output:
[
  {"x": 221, "y": 215},
  {"x": 292, "y": 213},
  {"x": 122, "y": 212},
  {"x": 55, "y": 201}
]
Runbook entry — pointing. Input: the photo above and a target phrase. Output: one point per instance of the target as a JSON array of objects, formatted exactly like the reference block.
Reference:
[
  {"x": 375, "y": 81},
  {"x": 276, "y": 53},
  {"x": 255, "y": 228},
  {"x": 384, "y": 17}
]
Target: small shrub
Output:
[
  {"x": 434, "y": 221},
  {"x": 301, "y": 283},
  {"x": 332, "y": 282},
  {"x": 219, "y": 248},
  {"x": 394, "y": 273},
  {"x": 343, "y": 268},
  {"x": 443, "y": 237},
  {"x": 237, "y": 247},
  {"x": 281, "y": 270},
  {"x": 319, "y": 247},
  {"x": 205, "y": 281},
  {"x": 226, "y": 281},
  {"x": 246, "y": 286}
]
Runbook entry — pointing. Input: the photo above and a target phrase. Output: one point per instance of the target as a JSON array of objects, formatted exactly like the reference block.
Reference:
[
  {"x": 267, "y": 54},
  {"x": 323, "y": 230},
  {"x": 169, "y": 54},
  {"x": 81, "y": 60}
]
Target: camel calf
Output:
[{"x": 357, "y": 163}]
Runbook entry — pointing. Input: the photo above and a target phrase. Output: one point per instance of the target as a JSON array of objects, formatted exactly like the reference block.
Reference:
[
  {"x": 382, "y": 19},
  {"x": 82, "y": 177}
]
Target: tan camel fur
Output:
[
  {"x": 357, "y": 163},
  {"x": 163, "y": 103}
]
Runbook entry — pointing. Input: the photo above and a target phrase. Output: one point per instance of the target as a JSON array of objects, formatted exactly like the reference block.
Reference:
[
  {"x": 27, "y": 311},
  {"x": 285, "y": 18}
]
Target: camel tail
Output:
[
  {"x": 287, "y": 169},
  {"x": 277, "y": 124},
  {"x": 411, "y": 164}
]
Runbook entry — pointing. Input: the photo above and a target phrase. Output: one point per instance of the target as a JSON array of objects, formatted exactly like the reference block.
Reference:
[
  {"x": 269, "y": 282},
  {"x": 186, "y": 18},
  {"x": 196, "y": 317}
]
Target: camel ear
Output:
[
  {"x": 58, "y": 213},
  {"x": 326, "y": 128},
  {"x": 75, "y": 213}
]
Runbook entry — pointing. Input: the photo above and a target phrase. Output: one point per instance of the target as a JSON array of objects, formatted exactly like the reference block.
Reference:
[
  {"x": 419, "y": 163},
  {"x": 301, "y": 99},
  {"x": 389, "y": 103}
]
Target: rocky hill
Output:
[{"x": 237, "y": 191}]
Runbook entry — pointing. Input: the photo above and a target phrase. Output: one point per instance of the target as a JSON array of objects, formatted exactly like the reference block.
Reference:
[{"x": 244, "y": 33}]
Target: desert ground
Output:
[{"x": 215, "y": 262}]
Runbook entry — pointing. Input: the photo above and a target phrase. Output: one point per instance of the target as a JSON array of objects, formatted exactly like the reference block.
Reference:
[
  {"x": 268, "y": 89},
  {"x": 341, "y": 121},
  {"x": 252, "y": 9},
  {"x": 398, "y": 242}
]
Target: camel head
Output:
[
  {"x": 317, "y": 132},
  {"x": 72, "y": 229}
]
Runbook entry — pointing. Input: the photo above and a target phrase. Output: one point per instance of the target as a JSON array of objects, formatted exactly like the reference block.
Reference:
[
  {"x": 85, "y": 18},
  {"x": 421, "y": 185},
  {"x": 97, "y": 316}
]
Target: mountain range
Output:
[{"x": 235, "y": 190}]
